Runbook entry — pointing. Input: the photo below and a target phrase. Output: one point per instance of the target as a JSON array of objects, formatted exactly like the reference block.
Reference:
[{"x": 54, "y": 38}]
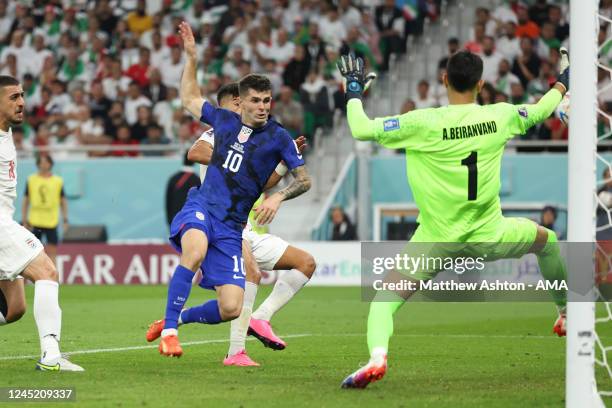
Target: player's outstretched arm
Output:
[
  {"x": 530, "y": 115},
  {"x": 264, "y": 214},
  {"x": 191, "y": 98},
  {"x": 281, "y": 169},
  {"x": 355, "y": 82},
  {"x": 200, "y": 152}
]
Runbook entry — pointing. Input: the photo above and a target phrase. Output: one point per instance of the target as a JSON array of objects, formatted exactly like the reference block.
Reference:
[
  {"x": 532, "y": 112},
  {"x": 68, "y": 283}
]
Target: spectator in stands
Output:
[
  {"x": 361, "y": 49},
  {"x": 527, "y": 65},
  {"x": 138, "y": 21},
  {"x": 505, "y": 78},
  {"x": 407, "y": 106},
  {"x": 64, "y": 144},
  {"x": 556, "y": 18},
  {"x": 177, "y": 188},
  {"x": 140, "y": 71},
  {"x": 538, "y": 12},
  {"x": 164, "y": 112},
  {"x": 289, "y": 112},
  {"x": 155, "y": 137},
  {"x": 139, "y": 130},
  {"x": 343, "y": 228},
  {"x": 315, "y": 99},
  {"x": 475, "y": 45},
  {"x": 332, "y": 28},
  {"x": 545, "y": 79},
  {"x": 509, "y": 44},
  {"x": 390, "y": 24},
  {"x": 116, "y": 86},
  {"x": 518, "y": 96},
  {"x": 282, "y": 50},
  {"x": 133, "y": 101},
  {"x": 98, "y": 102},
  {"x": 172, "y": 69},
  {"x": 114, "y": 119},
  {"x": 439, "y": 91},
  {"x": 453, "y": 47},
  {"x": 73, "y": 68},
  {"x": 124, "y": 139},
  {"x": 483, "y": 16},
  {"x": 296, "y": 70},
  {"x": 526, "y": 27},
  {"x": 349, "y": 14},
  {"x": 423, "y": 98},
  {"x": 314, "y": 46},
  {"x": 486, "y": 95},
  {"x": 548, "y": 218},
  {"x": 490, "y": 60},
  {"x": 547, "y": 40},
  {"x": 156, "y": 91}
]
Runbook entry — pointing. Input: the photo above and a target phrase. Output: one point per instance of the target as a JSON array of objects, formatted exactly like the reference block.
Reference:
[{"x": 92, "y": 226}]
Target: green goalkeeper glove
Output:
[
  {"x": 564, "y": 69},
  {"x": 355, "y": 82}
]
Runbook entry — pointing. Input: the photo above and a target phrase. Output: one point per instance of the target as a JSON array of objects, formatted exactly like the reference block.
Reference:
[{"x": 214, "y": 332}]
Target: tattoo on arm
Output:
[{"x": 301, "y": 183}]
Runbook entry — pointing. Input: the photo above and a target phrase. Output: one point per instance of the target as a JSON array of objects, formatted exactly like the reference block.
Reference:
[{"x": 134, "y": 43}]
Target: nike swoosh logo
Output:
[{"x": 238, "y": 277}]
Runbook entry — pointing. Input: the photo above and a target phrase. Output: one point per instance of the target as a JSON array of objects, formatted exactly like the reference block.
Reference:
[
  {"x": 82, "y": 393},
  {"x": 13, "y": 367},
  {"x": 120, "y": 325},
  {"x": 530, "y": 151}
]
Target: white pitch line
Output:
[
  {"x": 289, "y": 336},
  {"x": 458, "y": 336},
  {"x": 151, "y": 346}
]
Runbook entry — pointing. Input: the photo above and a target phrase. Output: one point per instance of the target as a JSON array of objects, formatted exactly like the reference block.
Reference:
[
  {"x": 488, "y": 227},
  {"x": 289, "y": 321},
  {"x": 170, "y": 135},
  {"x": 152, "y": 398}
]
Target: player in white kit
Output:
[
  {"x": 21, "y": 253},
  {"x": 261, "y": 252}
]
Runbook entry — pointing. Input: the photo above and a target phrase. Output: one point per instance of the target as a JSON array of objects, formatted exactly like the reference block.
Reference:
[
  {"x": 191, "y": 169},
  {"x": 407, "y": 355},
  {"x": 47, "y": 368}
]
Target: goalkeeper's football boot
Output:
[
  {"x": 240, "y": 359},
  {"x": 169, "y": 346},
  {"x": 154, "y": 330},
  {"x": 373, "y": 371},
  {"x": 61, "y": 364},
  {"x": 559, "y": 327},
  {"x": 262, "y": 330}
]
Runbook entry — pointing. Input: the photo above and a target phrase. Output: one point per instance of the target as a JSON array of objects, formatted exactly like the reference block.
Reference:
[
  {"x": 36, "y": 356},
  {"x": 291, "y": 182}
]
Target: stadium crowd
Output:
[
  {"x": 519, "y": 44},
  {"x": 99, "y": 73}
]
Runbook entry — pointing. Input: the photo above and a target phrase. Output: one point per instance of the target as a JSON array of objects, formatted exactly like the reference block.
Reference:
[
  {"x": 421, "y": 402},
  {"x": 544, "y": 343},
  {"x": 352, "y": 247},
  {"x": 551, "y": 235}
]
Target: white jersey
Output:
[
  {"x": 208, "y": 136},
  {"x": 8, "y": 174}
]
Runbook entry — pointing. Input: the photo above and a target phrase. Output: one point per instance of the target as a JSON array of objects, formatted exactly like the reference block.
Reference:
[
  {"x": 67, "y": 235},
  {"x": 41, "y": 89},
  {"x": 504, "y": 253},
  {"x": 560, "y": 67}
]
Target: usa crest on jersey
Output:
[{"x": 244, "y": 134}]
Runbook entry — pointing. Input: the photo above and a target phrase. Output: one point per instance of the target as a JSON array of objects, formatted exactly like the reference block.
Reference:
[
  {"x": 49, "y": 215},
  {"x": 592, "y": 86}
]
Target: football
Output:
[{"x": 563, "y": 110}]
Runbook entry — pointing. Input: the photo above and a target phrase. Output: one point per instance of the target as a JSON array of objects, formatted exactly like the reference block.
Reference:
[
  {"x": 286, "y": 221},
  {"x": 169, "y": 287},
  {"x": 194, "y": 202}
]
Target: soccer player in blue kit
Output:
[{"x": 208, "y": 230}]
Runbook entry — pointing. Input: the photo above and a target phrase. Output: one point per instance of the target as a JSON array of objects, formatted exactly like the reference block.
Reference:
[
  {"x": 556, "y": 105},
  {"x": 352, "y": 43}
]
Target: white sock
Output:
[
  {"x": 240, "y": 326},
  {"x": 287, "y": 285},
  {"x": 48, "y": 317},
  {"x": 169, "y": 332},
  {"x": 378, "y": 355},
  {"x": 2, "y": 319}
]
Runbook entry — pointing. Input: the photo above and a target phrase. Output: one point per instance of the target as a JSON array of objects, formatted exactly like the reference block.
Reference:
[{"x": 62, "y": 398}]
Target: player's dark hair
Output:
[
  {"x": 464, "y": 70},
  {"x": 44, "y": 156},
  {"x": 7, "y": 80},
  {"x": 256, "y": 82},
  {"x": 232, "y": 89}
]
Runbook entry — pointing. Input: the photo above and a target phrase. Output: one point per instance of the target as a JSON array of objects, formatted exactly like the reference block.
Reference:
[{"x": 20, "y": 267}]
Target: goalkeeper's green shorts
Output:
[{"x": 505, "y": 238}]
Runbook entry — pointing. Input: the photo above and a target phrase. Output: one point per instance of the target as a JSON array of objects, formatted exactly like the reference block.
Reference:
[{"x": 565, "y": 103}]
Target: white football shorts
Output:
[
  {"x": 18, "y": 247},
  {"x": 267, "y": 248}
]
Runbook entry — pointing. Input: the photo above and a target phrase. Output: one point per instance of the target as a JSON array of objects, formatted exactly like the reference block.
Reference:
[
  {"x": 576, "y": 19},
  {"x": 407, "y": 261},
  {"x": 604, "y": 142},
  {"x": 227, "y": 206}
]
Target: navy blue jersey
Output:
[{"x": 242, "y": 161}]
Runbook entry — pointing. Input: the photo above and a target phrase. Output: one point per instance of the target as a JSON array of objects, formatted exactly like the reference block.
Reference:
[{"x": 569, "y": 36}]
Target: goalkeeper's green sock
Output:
[
  {"x": 380, "y": 326},
  {"x": 553, "y": 268}
]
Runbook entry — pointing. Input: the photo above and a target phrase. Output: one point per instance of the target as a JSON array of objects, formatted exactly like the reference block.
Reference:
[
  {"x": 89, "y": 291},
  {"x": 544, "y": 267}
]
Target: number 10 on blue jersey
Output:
[{"x": 233, "y": 161}]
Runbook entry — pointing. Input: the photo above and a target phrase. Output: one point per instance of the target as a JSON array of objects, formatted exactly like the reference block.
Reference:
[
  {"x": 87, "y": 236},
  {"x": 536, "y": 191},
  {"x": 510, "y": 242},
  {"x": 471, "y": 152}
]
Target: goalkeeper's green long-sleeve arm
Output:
[
  {"x": 362, "y": 127},
  {"x": 538, "y": 112}
]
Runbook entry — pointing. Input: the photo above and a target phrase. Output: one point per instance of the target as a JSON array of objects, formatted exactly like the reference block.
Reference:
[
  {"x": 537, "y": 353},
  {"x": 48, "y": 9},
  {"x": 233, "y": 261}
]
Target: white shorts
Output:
[
  {"x": 267, "y": 249},
  {"x": 18, "y": 247}
]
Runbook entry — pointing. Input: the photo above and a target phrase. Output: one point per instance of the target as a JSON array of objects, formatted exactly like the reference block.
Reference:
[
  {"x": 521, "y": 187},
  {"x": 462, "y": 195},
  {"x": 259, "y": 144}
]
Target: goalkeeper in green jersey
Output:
[{"x": 453, "y": 160}]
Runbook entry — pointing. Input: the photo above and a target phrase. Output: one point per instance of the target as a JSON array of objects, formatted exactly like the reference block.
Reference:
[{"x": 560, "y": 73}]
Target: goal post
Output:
[{"x": 581, "y": 387}]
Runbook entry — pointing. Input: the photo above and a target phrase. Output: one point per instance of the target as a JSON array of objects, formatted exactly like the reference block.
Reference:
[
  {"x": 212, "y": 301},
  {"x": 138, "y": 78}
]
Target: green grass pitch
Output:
[{"x": 442, "y": 354}]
